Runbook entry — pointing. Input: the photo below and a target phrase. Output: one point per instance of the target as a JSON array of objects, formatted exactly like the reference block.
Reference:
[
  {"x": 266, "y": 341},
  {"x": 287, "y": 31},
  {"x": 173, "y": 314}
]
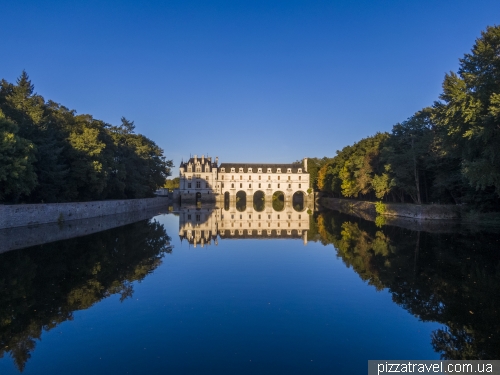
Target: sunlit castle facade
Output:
[{"x": 202, "y": 178}]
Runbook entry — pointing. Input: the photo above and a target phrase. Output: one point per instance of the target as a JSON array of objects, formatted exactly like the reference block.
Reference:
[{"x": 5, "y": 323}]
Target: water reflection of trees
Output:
[
  {"x": 453, "y": 279},
  {"x": 41, "y": 287}
]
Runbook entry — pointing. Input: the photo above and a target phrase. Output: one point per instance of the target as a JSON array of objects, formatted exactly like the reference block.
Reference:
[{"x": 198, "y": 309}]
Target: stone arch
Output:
[
  {"x": 298, "y": 201},
  {"x": 259, "y": 201},
  {"x": 241, "y": 201},
  {"x": 278, "y": 201}
]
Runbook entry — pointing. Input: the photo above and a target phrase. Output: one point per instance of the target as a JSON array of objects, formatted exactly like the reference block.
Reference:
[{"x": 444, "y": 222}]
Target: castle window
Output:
[
  {"x": 269, "y": 217},
  {"x": 249, "y": 170},
  {"x": 278, "y": 217},
  {"x": 259, "y": 170},
  {"x": 268, "y": 177},
  {"x": 197, "y": 217},
  {"x": 249, "y": 177},
  {"x": 241, "y": 177},
  {"x": 223, "y": 170},
  {"x": 278, "y": 186},
  {"x": 269, "y": 170},
  {"x": 259, "y": 186},
  {"x": 232, "y": 177},
  {"x": 249, "y": 216},
  {"x": 198, "y": 169},
  {"x": 278, "y": 225},
  {"x": 260, "y": 177},
  {"x": 240, "y": 170},
  {"x": 289, "y": 186},
  {"x": 300, "y": 170},
  {"x": 289, "y": 178},
  {"x": 198, "y": 184},
  {"x": 190, "y": 169},
  {"x": 289, "y": 216},
  {"x": 300, "y": 186},
  {"x": 249, "y": 186},
  {"x": 222, "y": 185},
  {"x": 232, "y": 216},
  {"x": 299, "y": 217},
  {"x": 279, "y": 170},
  {"x": 222, "y": 177},
  {"x": 206, "y": 185},
  {"x": 241, "y": 216},
  {"x": 269, "y": 186},
  {"x": 189, "y": 217},
  {"x": 259, "y": 216},
  {"x": 232, "y": 186},
  {"x": 189, "y": 185},
  {"x": 279, "y": 177},
  {"x": 241, "y": 185},
  {"x": 289, "y": 170},
  {"x": 300, "y": 178},
  {"x": 232, "y": 169}
]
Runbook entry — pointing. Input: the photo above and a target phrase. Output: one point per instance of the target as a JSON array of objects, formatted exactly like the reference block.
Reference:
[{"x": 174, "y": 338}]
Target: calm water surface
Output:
[{"x": 318, "y": 298}]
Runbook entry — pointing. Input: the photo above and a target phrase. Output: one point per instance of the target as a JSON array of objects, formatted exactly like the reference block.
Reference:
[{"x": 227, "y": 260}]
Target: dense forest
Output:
[
  {"x": 48, "y": 153},
  {"x": 446, "y": 153}
]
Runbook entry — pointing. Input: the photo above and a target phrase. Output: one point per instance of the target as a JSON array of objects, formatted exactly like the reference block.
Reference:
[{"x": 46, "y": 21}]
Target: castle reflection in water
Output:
[{"x": 204, "y": 225}]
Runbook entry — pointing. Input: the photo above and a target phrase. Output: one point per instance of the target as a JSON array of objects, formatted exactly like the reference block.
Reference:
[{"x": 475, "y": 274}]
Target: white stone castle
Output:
[{"x": 205, "y": 180}]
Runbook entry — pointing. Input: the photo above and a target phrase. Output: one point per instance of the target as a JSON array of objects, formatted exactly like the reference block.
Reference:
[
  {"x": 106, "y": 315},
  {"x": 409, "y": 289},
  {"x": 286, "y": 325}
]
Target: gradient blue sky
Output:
[{"x": 248, "y": 81}]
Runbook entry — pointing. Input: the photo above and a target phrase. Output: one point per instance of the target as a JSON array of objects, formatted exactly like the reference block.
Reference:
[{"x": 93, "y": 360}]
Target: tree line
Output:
[
  {"x": 48, "y": 153},
  {"x": 446, "y": 153}
]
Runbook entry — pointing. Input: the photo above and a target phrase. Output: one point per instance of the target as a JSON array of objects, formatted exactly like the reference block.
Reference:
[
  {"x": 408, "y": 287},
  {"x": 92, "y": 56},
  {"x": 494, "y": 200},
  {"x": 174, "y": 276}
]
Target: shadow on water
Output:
[
  {"x": 41, "y": 286},
  {"x": 450, "y": 278}
]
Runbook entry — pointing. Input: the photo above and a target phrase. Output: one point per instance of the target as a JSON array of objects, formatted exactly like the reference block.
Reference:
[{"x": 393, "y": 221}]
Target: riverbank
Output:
[
  {"x": 20, "y": 215},
  {"x": 391, "y": 211}
]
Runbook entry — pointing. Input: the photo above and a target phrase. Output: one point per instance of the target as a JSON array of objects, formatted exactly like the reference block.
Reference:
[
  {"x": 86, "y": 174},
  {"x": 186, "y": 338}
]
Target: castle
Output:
[{"x": 202, "y": 179}]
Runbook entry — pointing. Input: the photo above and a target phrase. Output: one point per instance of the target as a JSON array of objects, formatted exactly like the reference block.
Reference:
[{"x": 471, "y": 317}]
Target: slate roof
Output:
[{"x": 274, "y": 167}]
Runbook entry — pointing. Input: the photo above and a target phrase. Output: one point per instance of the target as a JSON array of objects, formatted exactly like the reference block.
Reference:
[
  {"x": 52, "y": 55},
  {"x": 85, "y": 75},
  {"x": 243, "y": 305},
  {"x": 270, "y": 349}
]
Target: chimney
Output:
[
  {"x": 202, "y": 159},
  {"x": 216, "y": 160},
  {"x": 305, "y": 164},
  {"x": 195, "y": 158},
  {"x": 209, "y": 159}
]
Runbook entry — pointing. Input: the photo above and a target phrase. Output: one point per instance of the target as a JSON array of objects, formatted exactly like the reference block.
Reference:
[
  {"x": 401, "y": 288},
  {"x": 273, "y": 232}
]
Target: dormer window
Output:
[
  {"x": 279, "y": 170},
  {"x": 269, "y": 170},
  {"x": 249, "y": 170},
  {"x": 223, "y": 170},
  {"x": 289, "y": 170},
  {"x": 190, "y": 169},
  {"x": 232, "y": 169},
  {"x": 240, "y": 170},
  {"x": 300, "y": 170},
  {"x": 259, "y": 170}
]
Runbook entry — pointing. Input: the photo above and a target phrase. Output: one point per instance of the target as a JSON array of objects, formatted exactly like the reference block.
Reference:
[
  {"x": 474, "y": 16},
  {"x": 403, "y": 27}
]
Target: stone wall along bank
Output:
[{"x": 35, "y": 214}]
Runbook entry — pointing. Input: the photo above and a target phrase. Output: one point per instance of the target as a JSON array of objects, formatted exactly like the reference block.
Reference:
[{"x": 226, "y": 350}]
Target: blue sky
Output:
[{"x": 250, "y": 81}]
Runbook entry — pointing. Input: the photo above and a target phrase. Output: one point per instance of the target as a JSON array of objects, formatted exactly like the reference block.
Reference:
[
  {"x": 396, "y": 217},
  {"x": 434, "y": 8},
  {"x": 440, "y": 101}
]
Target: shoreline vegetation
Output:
[
  {"x": 445, "y": 158},
  {"x": 429, "y": 217},
  {"x": 49, "y": 154}
]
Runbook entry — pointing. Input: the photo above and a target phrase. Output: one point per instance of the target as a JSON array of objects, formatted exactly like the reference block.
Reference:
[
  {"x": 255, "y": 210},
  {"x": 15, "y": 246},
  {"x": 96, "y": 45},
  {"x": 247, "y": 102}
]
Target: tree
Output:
[
  {"x": 469, "y": 111},
  {"x": 17, "y": 155}
]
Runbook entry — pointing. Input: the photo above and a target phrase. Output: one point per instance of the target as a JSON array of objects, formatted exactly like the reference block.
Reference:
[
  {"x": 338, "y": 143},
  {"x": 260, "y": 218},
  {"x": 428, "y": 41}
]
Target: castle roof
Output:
[{"x": 274, "y": 167}]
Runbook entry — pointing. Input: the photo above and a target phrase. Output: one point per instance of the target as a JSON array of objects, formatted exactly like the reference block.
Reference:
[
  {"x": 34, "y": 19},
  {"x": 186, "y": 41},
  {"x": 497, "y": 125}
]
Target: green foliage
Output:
[
  {"x": 17, "y": 155},
  {"x": 50, "y": 154},
  {"x": 172, "y": 184}
]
